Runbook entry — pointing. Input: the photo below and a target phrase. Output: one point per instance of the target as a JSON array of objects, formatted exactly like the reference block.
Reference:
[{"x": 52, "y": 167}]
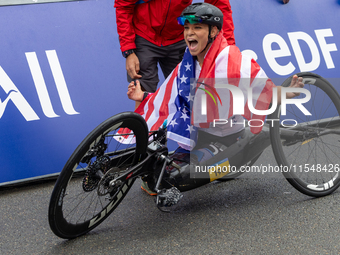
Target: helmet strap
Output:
[{"x": 210, "y": 40}]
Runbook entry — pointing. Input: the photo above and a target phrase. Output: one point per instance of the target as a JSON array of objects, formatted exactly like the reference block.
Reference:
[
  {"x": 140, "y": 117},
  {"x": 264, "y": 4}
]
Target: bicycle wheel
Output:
[
  {"x": 82, "y": 197},
  {"x": 307, "y": 148}
]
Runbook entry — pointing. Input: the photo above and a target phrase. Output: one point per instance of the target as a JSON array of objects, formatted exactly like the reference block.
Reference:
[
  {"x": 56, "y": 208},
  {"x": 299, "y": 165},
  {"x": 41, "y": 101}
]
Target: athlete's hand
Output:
[
  {"x": 132, "y": 66},
  {"x": 297, "y": 82},
  {"x": 135, "y": 91}
]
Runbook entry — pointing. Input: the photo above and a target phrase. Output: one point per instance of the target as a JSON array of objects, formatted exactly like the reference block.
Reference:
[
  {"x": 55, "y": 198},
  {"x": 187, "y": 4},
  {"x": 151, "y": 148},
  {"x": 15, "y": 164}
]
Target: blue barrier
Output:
[{"x": 62, "y": 73}]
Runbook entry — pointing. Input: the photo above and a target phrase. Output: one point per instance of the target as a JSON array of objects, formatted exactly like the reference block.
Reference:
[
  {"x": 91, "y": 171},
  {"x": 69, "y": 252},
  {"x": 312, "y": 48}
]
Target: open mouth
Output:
[{"x": 192, "y": 44}]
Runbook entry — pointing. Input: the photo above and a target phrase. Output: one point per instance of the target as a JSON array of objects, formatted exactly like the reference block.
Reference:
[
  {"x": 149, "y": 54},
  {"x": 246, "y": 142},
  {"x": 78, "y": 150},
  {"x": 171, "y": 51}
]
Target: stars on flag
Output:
[
  {"x": 190, "y": 97},
  {"x": 183, "y": 79},
  {"x": 173, "y": 123},
  {"x": 190, "y": 128},
  {"x": 187, "y": 67},
  {"x": 179, "y": 128},
  {"x": 184, "y": 116}
]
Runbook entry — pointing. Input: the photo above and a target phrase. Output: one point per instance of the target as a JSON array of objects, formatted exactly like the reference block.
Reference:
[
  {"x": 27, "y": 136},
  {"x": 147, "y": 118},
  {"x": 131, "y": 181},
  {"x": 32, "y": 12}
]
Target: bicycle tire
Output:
[
  {"x": 306, "y": 162},
  {"x": 78, "y": 205}
]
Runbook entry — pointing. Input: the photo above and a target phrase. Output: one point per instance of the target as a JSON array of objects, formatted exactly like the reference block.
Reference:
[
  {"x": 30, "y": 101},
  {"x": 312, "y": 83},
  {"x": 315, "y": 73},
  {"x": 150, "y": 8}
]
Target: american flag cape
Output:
[
  {"x": 171, "y": 102},
  {"x": 175, "y": 100}
]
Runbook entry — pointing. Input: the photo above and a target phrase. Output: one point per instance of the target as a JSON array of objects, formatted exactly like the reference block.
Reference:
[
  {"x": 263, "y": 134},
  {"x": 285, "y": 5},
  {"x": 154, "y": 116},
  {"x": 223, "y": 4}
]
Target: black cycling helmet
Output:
[{"x": 202, "y": 13}]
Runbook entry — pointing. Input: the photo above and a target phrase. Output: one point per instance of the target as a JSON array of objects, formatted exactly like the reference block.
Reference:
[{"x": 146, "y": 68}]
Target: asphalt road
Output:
[{"x": 254, "y": 214}]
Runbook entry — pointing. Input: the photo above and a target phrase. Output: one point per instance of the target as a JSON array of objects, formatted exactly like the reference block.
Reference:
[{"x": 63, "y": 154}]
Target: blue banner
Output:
[
  {"x": 301, "y": 36},
  {"x": 62, "y": 73}
]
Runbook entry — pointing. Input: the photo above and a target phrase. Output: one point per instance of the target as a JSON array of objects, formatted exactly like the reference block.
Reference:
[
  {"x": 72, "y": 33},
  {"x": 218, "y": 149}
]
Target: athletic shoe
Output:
[{"x": 146, "y": 188}]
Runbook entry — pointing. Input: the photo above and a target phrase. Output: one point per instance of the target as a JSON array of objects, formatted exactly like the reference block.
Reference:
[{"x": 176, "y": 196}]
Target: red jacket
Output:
[{"x": 156, "y": 21}]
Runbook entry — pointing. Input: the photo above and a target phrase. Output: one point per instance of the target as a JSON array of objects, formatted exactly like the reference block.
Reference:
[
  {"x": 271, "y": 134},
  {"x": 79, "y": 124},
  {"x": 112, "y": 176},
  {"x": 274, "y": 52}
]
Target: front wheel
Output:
[
  {"x": 307, "y": 147},
  {"x": 84, "y": 195}
]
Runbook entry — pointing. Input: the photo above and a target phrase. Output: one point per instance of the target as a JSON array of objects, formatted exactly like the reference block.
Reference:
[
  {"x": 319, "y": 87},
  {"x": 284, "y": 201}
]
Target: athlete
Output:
[{"x": 208, "y": 58}]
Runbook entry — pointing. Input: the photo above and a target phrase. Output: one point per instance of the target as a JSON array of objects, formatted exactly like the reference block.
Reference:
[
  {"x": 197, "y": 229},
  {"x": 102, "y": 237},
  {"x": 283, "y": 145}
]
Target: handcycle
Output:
[{"x": 102, "y": 169}]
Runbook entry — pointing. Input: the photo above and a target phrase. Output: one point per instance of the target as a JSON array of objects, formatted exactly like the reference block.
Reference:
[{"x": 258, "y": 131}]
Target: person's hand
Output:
[
  {"x": 132, "y": 66},
  {"x": 135, "y": 91},
  {"x": 297, "y": 82}
]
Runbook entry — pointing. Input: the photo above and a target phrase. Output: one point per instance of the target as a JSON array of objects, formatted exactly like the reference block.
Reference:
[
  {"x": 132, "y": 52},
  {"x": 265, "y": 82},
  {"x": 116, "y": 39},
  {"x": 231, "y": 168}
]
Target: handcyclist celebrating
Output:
[{"x": 208, "y": 59}]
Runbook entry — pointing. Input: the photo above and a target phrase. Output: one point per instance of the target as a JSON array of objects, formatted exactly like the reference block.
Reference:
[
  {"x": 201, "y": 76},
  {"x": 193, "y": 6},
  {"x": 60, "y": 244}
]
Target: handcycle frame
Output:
[
  {"x": 241, "y": 153},
  {"x": 248, "y": 148},
  {"x": 105, "y": 176}
]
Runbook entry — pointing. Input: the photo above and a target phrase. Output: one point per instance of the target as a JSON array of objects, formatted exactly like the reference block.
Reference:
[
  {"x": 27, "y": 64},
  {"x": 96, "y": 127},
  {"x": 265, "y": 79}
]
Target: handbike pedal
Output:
[{"x": 168, "y": 197}]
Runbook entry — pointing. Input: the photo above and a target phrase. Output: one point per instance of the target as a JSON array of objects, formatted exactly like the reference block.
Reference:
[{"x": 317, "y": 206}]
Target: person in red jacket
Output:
[{"x": 150, "y": 34}]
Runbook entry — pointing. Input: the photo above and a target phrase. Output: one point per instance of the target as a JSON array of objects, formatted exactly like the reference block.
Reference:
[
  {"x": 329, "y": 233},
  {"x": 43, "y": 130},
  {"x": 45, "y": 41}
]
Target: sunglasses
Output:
[{"x": 192, "y": 19}]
